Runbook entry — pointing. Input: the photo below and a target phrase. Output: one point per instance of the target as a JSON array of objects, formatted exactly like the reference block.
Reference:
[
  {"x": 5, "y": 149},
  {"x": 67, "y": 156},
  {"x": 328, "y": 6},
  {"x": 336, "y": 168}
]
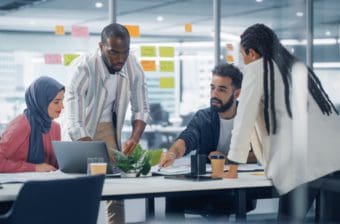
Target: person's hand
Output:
[
  {"x": 231, "y": 173},
  {"x": 167, "y": 159},
  {"x": 44, "y": 167},
  {"x": 129, "y": 146},
  {"x": 87, "y": 138}
]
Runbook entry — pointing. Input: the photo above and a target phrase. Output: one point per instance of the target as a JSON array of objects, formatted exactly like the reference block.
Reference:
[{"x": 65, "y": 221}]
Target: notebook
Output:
[{"x": 72, "y": 156}]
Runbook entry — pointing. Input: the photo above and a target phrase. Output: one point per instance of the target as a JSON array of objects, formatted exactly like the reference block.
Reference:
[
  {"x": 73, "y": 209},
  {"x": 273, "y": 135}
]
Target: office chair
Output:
[{"x": 64, "y": 201}]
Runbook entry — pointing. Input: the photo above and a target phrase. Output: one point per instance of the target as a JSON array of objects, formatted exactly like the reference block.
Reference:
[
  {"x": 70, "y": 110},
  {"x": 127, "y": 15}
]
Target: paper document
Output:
[
  {"x": 182, "y": 166},
  {"x": 28, "y": 176},
  {"x": 171, "y": 170}
]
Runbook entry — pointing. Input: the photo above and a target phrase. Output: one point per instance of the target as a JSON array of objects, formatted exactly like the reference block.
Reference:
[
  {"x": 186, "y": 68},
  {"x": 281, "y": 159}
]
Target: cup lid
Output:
[{"x": 217, "y": 156}]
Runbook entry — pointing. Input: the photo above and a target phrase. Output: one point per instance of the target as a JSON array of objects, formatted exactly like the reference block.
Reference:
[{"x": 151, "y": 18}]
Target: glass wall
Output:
[{"x": 30, "y": 44}]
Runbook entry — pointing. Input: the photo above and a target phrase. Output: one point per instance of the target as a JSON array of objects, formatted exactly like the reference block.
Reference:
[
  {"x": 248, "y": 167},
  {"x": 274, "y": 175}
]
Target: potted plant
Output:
[{"x": 133, "y": 165}]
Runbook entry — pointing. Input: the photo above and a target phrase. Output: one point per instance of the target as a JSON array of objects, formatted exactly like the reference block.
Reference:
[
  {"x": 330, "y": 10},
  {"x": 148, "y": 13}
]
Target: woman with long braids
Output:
[{"x": 273, "y": 109}]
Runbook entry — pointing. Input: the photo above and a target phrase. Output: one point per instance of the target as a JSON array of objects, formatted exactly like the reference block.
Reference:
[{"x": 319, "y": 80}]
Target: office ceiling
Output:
[{"x": 236, "y": 15}]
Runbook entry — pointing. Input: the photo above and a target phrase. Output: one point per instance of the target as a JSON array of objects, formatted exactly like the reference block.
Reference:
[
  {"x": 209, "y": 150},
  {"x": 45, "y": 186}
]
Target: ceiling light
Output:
[
  {"x": 324, "y": 41},
  {"x": 259, "y": 0},
  {"x": 328, "y": 33},
  {"x": 32, "y": 22},
  {"x": 299, "y": 14},
  {"x": 99, "y": 4},
  {"x": 326, "y": 65},
  {"x": 160, "y": 18}
]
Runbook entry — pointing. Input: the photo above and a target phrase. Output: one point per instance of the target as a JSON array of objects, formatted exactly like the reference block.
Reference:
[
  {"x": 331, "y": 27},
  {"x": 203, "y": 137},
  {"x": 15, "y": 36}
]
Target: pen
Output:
[{"x": 164, "y": 151}]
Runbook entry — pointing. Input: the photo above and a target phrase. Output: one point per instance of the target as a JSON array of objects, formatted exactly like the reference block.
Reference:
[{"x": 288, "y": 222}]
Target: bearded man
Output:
[{"x": 209, "y": 132}]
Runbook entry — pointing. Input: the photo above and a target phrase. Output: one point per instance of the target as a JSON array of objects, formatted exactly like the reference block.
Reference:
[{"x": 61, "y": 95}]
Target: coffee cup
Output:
[
  {"x": 96, "y": 165},
  {"x": 217, "y": 164}
]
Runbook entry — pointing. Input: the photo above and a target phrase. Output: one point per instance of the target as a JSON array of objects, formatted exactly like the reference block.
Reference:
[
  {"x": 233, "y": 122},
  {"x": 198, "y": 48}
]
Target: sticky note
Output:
[
  {"x": 188, "y": 27},
  {"x": 167, "y": 52},
  {"x": 230, "y": 58},
  {"x": 258, "y": 173},
  {"x": 133, "y": 30},
  {"x": 166, "y": 66},
  {"x": 167, "y": 82},
  {"x": 52, "y": 58},
  {"x": 68, "y": 58},
  {"x": 230, "y": 47},
  {"x": 148, "y": 51},
  {"x": 59, "y": 30},
  {"x": 148, "y": 65},
  {"x": 80, "y": 31}
]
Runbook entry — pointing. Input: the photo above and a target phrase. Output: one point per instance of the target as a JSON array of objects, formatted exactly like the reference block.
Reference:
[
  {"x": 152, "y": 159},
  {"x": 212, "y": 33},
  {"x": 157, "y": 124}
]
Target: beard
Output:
[
  {"x": 224, "y": 107},
  {"x": 109, "y": 66}
]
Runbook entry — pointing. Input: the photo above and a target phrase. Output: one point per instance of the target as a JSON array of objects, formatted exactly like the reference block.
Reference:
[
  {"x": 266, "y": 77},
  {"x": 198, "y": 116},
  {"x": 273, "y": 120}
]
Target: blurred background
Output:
[{"x": 41, "y": 37}]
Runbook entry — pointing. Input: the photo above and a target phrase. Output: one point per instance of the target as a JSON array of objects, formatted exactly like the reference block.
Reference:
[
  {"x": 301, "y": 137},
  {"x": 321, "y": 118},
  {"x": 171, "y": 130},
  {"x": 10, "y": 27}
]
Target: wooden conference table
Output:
[{"x": 151, "y": 187}]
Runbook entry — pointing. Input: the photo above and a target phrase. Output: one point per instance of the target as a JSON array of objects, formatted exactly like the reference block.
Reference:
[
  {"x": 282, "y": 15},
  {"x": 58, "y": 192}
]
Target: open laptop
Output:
[{"x": 72, "y": 156}]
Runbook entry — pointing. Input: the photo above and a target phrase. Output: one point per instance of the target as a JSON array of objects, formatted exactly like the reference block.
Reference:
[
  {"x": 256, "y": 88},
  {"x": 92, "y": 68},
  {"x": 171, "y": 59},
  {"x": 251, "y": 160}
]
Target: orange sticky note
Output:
[
  {"x": 148, "y": 65},
  {"x": 133, "y": 30},
  {"x": 188, "y": 27},
  {"x": 230, "y": 59},
  {"x": 59, "y": 30}
]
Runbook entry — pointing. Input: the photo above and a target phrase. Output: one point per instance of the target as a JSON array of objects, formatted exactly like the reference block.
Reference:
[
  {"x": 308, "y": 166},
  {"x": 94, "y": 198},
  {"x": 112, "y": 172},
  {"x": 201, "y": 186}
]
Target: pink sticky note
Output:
[
  {"x": 80, "y": 31},
  {"x": 52, "y": 58}
]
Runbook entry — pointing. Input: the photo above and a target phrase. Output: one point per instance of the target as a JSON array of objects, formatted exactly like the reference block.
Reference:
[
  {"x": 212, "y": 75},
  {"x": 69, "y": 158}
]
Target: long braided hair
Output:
[{"x": 265, "y": 42}]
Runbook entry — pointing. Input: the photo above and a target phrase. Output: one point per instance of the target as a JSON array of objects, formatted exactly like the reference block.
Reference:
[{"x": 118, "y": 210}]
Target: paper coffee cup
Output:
[{"x": 98, "y": 168}]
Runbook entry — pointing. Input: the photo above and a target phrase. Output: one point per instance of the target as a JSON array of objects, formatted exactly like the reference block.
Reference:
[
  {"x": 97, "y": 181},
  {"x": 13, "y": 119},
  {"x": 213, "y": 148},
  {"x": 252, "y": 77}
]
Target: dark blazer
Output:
[{"x": 202, "y": 133}]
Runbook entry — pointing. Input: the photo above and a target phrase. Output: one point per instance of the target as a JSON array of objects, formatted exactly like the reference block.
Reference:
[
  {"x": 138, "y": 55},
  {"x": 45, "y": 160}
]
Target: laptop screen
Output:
[{"x": 72, "y": 156}]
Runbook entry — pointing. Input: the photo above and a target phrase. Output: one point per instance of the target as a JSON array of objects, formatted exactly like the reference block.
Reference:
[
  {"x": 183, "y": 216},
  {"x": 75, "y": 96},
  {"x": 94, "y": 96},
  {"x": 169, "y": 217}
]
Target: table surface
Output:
[{"x": 149, "y": 186}]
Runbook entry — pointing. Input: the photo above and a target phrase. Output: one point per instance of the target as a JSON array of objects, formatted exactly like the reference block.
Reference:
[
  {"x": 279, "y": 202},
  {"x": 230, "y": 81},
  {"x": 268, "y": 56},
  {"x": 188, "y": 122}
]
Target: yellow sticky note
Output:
[
  {"x": 166, "y": 52},
  {"x": 188, "y": 27},
  {"x": 167, "y": 82},
  {"x": 148, "y": 51},
  {"x": 166, "y": 66},
  {"x": 148, "y": 65},
  {"x": 68, "y": 58},
  {"x": 133, "y": 30},
  {"x": 59, "y": 30}
]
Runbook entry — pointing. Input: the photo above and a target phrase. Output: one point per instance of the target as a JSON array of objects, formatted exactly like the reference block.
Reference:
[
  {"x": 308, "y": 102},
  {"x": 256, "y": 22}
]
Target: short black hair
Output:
[
  {"x": 115, "y": 30},
  {"x": 229, "y": 70}
]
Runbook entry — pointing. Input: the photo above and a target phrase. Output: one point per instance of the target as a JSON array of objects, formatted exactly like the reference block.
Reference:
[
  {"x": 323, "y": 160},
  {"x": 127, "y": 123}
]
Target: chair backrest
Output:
[{"x": 64, "y": 201}]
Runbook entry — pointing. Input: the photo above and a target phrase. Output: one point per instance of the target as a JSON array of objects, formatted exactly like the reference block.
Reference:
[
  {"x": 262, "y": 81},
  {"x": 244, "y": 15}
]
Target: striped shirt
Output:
[{"x": 86, "y": 94}]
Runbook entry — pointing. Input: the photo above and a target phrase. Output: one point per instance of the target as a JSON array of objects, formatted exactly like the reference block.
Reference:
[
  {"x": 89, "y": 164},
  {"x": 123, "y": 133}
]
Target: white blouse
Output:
[{"x": 293, "y": 156}]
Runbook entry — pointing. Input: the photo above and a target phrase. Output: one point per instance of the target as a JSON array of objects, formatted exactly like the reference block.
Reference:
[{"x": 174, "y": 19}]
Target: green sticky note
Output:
[
  {"x": 166, "y": 66},
  {"x": 167, "y": 52},
  {"x": 148, "y": 51},
  {"x": 167, "y": 82},
  {"x": 68, "y": 58}
]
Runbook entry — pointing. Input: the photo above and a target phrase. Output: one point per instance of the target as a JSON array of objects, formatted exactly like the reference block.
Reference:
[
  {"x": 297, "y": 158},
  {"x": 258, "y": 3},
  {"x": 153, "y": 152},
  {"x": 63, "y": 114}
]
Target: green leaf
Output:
[
  {"x": 155, "y": 156},
  {"x": 138, "y": 161}
]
